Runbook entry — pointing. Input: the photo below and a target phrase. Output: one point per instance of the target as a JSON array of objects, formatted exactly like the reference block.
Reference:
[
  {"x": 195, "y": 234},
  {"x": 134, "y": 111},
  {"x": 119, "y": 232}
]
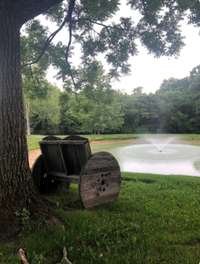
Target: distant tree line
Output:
[
  {"x": 97, "y": 108},
  {"x": 174, "y": 108}
]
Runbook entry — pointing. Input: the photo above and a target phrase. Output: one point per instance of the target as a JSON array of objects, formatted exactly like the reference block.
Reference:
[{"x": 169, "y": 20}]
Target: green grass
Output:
[
  {"x": 155, "y": 220},
  {"x": 33, "y": 141},
  {"x": 192, "y": 138}
]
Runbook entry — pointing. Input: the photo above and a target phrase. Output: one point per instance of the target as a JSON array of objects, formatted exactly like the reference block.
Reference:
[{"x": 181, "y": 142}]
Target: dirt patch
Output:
[
  {"x": 33, "y": 154},
  {"x": 118, "y": 141}
]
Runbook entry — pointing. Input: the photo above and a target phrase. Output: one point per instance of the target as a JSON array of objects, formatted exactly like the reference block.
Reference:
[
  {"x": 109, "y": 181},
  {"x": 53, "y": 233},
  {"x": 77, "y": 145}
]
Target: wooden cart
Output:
[{"x": 70, "y": 160}]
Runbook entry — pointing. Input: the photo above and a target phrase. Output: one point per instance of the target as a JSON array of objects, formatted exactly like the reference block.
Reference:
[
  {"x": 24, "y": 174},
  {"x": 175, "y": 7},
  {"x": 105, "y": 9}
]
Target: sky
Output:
[{"x": 148, "y": 71}]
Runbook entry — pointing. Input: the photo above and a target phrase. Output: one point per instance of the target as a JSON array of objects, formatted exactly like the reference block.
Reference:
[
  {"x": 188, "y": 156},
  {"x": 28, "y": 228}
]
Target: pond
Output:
[{"x": 153, "y": 156}]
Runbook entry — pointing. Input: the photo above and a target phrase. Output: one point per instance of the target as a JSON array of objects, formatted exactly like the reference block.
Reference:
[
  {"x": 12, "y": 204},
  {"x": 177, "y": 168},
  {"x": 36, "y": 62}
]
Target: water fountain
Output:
[
  {"x": 159, "y": 154},
  {"x": 159, "y": 142}
]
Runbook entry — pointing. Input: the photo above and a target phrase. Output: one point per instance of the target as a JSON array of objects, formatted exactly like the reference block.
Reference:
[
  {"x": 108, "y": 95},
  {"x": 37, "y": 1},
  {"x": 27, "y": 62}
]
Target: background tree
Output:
[
  {"x": 96, "y": 108},
  {"x": 45, "y": 112}
]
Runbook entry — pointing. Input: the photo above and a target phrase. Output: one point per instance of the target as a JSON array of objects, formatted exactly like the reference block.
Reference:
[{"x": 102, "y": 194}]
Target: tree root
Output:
[{"x": 10, "y": 218}]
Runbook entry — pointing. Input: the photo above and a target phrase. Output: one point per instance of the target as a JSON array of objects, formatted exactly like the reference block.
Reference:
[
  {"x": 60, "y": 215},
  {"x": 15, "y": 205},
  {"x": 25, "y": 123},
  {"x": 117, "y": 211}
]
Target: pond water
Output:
[{"x": 163, "y": 158}]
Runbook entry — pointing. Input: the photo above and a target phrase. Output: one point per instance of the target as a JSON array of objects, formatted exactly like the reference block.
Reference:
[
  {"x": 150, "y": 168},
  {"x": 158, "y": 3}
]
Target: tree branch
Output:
[
  {"x": 68, "y": 48},
  {"x": 47, "y": 43},
  {"x": 99, "y": 23},
  {"x": 107, "y": 27},
  {"x": 68, "y": 18}
]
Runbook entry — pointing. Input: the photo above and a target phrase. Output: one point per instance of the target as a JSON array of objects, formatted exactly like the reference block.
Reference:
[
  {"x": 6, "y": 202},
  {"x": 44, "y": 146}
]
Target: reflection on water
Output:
[{"x": 172, "y": 159}]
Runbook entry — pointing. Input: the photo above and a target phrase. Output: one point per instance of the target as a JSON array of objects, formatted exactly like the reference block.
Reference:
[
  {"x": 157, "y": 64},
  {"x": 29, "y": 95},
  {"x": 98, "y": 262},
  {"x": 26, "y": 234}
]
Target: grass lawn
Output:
[
  {"x": 33, "y": 141},
  {"x": 155, "y": 220},
  {"x": 191, "y": 138}
]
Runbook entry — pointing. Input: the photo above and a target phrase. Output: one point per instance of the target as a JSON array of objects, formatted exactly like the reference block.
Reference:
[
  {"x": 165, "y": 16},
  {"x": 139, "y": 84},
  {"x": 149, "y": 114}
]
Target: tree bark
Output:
[
  {"x": 24, "y": 10},
  {"x": 29, "y": 9},
  {"x": 15, "y": 179},
  {"x": 16, "y": 187}
]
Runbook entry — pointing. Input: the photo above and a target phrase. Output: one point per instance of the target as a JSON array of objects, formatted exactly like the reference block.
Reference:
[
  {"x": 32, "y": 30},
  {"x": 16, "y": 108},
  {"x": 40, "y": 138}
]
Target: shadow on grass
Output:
[{"x": 147, "y": 181}]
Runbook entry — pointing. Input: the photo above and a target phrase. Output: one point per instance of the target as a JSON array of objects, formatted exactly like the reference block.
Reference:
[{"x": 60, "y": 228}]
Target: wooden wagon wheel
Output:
[
  {"x": 43, "y": 183},
  {"x": 100, "y": 180}
]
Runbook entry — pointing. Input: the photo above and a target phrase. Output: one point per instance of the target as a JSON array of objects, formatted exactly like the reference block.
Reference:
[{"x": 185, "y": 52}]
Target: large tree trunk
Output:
[
  {"x": 16, "y": 188},
  {"x": 15, "y": 180}
]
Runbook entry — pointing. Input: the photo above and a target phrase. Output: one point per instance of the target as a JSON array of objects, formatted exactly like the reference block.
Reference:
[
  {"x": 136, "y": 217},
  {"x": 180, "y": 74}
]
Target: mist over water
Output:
[
  {"x": 158, "y": 141},
  {"x": 159, "y": 154}
]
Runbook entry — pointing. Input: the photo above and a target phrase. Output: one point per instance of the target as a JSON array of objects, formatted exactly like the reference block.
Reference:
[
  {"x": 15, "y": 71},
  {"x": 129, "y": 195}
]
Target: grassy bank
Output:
[
  {"x": 191, "y": 138},
  {"x": 155, "y": 220}
]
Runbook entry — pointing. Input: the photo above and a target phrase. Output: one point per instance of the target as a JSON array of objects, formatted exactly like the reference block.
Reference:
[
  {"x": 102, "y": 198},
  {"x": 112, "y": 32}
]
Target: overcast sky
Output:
[{"x": 149, "y": 72}]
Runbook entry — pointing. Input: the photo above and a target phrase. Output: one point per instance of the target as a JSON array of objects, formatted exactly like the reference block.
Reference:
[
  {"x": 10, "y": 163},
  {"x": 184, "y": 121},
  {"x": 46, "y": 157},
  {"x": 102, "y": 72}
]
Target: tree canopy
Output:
[{"x": 94, "y": 26}]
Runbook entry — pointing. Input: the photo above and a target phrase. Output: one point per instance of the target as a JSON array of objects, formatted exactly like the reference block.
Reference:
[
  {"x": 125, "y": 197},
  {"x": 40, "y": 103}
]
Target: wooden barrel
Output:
[
  {"x": 68, "y": 155},
  {"x": 76, "y": 152}
]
